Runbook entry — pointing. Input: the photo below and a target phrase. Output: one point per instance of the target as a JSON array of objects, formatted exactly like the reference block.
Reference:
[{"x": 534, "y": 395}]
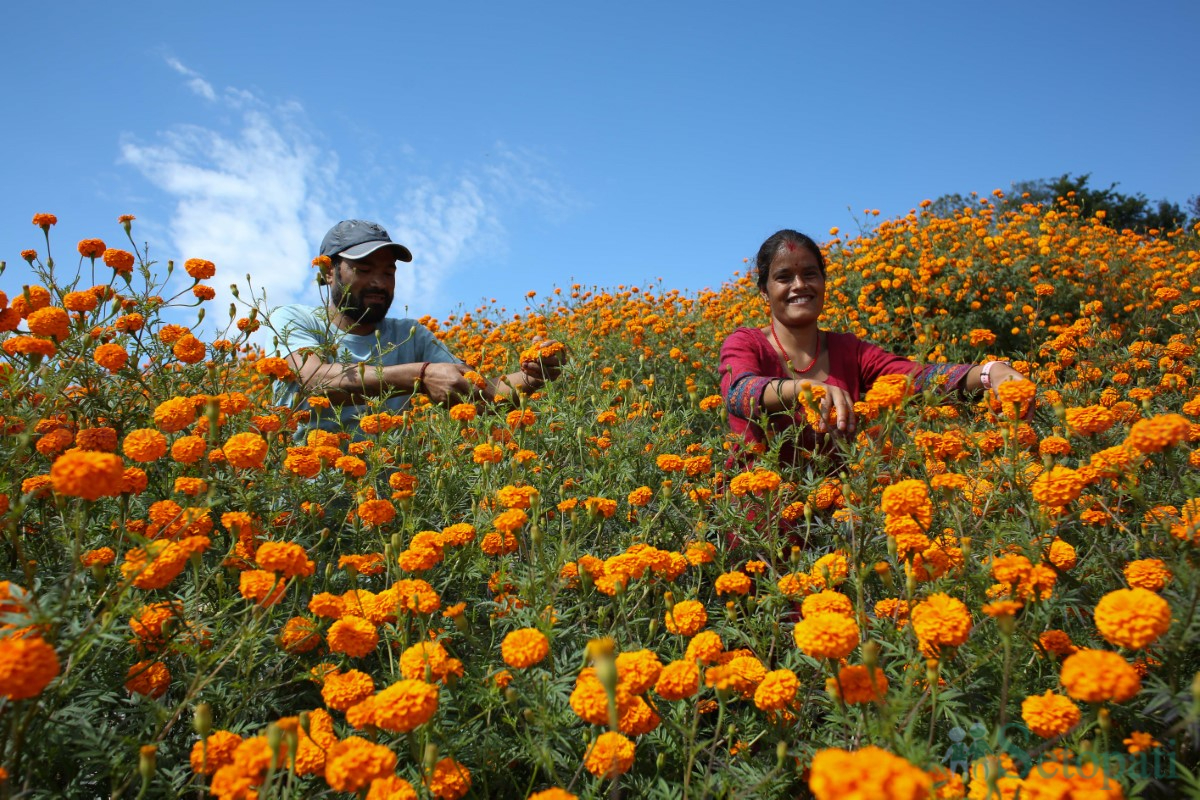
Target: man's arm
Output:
[{"x": 353, "y": 383}]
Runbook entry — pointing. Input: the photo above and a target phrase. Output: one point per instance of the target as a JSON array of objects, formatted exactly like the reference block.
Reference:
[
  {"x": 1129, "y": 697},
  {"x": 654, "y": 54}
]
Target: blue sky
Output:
[{"x": 519, "y": 146}]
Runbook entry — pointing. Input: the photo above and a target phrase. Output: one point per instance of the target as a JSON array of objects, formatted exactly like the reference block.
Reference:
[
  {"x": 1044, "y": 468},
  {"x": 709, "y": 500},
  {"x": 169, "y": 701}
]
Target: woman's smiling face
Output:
[{"x": 795, "y": 287}]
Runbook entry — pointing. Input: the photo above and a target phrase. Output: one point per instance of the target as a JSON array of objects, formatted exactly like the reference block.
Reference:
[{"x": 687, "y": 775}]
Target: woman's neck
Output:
[{"x": 797, "y": 340}]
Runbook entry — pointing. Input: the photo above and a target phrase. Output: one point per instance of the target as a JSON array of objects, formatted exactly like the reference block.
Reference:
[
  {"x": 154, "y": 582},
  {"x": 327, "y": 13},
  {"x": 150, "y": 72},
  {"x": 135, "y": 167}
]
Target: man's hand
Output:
[
  {"x": 444, "y": 383},
  {"x": 543, "y": 361}
]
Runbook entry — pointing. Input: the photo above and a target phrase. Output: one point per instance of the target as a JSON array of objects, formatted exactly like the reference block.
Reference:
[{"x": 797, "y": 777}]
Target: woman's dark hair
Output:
[{"x": 777, "y": 240}]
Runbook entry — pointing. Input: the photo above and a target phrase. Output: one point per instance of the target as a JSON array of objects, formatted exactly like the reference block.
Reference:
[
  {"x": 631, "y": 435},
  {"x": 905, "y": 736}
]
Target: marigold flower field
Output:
[{"x": 585, "y": 595}]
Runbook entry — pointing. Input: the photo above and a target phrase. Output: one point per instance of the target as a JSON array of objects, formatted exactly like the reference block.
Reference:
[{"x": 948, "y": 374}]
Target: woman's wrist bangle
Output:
[
  {"x": 985, "y": 377},
  {"x": 421, "y": 376}
]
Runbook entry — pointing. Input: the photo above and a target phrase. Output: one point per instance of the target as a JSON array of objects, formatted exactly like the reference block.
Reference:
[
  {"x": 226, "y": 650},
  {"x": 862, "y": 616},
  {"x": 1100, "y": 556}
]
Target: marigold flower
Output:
[
  {"x": 1132, "y": 618},
  {"x": 777, "y": 690},
  {"x": 376, "y": 512},
  {"x": 103, "y": 440},
  {"x": 286, "y": 558},
  {"x": 199, "y": 269},
  {"x": 111, "y": 356},
  {"x": 733, "y": 583},
  {"x": 87, "y": 474},
  {"x": 175, "y": 414},
  {"x": 638, "y": 670},
  {"x": 909, "y": 498},
  {"x": 429, "y": 661},
  {"x": 705, "y": 646},
  {"x": 1049, "y": 715},
  {"x": 390, "y": 787},
  {"x": 827, "y": 602},
  {"x": 91, "y": 248},
  {"x": 52, "y": 322},
  {"x": 686, "y": 618},
  {"x": 354, "y": 762},
  {"x": 29, "y": 346},
  {"x": 524, "y": 647},
  {"x": 100, "y": 557},
  {"x": 144, "y": 445},
  {"x": 1148, "y": 573},
  {"x": 245, "y": 450},
  {"x": 553, "y": 794},
  {"x": 151, "y": 678},
  {"x": 940, "y": 621},
  {"x": 449, "y": 780},
  {"x": 266, "y": 588},
  {"x": 1099, "y": 676},
  {"x": 299, "y": 635},
  {"x": 44, "y": 221},
  {"x": 1057, "y": 487},
  {"x": 119, "y": 261},
  {"x": 609, "y": 756},
  {"x": 868, "y": 772},
  {"x": 826, "y": 635},
  {"x": 678, "y": 680},
  {"x": 856, "y": 684},
  {"x": 1158, "y": 433},
  {"x": 352, "y": 635},
  {"x": 600, "y": 506},
  {"x": 757, "y": 482},
  {"x": 1089, "y": 420},
  {"x": 1058, "y": 779},
  {"x": 213, "y": 752},
  {"x": 831, "y": 569},
  {"x": 27, "y": 665},
  {"x": 640, "y": 496},
  {"x": 189, "y": 349}
]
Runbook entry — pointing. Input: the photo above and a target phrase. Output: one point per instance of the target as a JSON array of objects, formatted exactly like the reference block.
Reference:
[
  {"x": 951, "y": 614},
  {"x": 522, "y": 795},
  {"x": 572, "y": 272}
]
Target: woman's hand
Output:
[
  {"x": 1002, "y": 372},
  {"x": 543, "y": 360},
  {"x": 835, "y": 399}
]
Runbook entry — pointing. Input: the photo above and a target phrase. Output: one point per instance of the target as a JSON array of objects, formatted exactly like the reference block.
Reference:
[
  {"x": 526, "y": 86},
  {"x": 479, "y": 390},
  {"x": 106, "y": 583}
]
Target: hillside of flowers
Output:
[{"x": 591, "y": 594}]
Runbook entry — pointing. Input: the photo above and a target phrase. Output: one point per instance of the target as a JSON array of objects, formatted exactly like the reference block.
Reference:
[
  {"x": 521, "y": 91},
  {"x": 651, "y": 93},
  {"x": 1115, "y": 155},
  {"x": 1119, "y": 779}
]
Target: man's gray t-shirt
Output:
[{"x": 395, "y": 341}]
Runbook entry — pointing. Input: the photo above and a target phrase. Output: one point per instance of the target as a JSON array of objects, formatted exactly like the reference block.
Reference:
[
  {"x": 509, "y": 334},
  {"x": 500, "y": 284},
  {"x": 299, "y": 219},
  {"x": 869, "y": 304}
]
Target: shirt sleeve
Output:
[
  {"x": 742, "y": 383},
  {"x": 297, "y": 328},
  {"x": 430, "y": 348},
  {"x": 875, "y": 362}
]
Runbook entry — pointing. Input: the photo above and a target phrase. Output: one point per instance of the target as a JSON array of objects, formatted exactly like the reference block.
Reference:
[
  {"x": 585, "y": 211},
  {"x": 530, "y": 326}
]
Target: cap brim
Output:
[{"x": 366, "y": 248}]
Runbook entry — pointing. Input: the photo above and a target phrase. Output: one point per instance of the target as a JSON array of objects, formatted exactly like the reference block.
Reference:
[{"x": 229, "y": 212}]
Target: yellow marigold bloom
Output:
[
  {"x": 1049, "y": 715},
  {"x": 609, "y": 756},
  {"x": 1148, "y": 573},
  {"x": 777, "y": 690},
  {"x": 150, "y": 678},
  {"x": 1158, "y": 433},
  {"x": 638, "y": 670},
  {"x": 245, "y": 450},
  {"x": 940, "y": 621},
  {"x": 286, "y": 558},
  {"x": 867, "y": 773},
  {"x": 1132, "y": 618},
  {"x": 352, "y": 635},
  {"x": 797, "y": 584},
  {"x": 354, "y": 762},
  {"x": 706, "y": 647},
  {"x": 827, "y": 601},
  {"x": 1099, "y": 676},
  {"x": 678, "y": 680},
  {"x": 524, "y": 647},
  {"x": 733, "y": 583},
  {"x": 686, "y": 618},
  {"x": 27, "y": 665},
  {"x": 826, "y": 635},
  {"x": 87, "y": 474},
  {"x": 1057, "y": 487},
  {"x": 449, "y": 780},
  {"x": 1062, "y": 555},
  {"x": 175, "y": 414},
  {"x": 211, "y": 753},
  {"x": 1057, "y": 780},
  {"x": 510, "y": 521},
  {"x": 855, "y": 684},
  {"x": 909, "y": 498},
  {"x": 144, "y": 445},
  {"x": 831, "y": 569}
]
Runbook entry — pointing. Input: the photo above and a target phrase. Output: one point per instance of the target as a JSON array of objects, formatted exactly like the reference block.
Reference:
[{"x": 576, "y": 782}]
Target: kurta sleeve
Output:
[
  {"x": 875, "y": 362},
  {"x": 741, "y": 368}
]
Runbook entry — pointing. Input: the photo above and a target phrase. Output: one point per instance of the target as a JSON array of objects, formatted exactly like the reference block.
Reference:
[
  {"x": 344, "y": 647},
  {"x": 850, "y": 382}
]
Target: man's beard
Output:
[{"x": 356, "y": 309}]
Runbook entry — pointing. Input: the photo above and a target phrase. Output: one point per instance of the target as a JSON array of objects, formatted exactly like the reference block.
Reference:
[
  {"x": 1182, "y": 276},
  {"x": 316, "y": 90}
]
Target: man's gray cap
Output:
[{"x": 358, "y": 238}]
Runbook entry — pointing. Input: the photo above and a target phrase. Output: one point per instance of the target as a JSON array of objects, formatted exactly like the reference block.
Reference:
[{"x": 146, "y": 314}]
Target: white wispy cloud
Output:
[{"x": 256, "y": 196}]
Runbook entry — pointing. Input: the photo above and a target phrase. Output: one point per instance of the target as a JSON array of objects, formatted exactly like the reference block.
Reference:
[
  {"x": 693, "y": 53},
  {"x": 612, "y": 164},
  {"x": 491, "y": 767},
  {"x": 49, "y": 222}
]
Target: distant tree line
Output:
[{"x": 1121, "y": 211}]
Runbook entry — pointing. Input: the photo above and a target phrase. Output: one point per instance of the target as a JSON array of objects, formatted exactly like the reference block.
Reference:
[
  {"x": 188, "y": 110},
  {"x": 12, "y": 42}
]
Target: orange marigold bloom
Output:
[
  {"x": 733, "y": 583},
  {"x": 213, "y": 752},
  {"x": 705, "y": 646},
  {"x": 299, "y": 635},
  {"x": 266, "y": 588},
  {"x": 189, "y": 349},
  {"x": 1132, "y": 618},
  {"x": 1148, "y": 573},
  {"x": 376, "y": 512},
  {"x": 827, "y": 601},
  {"x": 341, "y": 690},
  {"x": 686, "y": 617},
  {"x": 91, "y": 248},
  {"x": 510, "y": 521},
  {"x": 524, "y": 647},
  {"x": 640, "y": 496},
  {"x": 286, "y": 558},
  {"x": 870, "y": 772},
  {"x": 87, "y": 474},
  {"x": 517, "y": 497},
  {"x": 175, "y": 414},
  {"x": 638, "y": 670},
  {"x": 1158, "y": 433},
  {"x": 352, "y": 635},
  {"x": 111, "y": 356},
  {"x": 1049, "y": 715},
  {"x": 1057, "y": 486},
  {"x": 1062, "y": 555},
  {"x": 856, "y": 684},
  {"x": 940, "y": 621},
  {"x": 354, "y": 762},
  {"x": 1011, "y": 569},
  {"x": 449, "y": 780},
  {"x": 831, "y": 569},
  {"x": 909, "y": 498},
  {"x": 777, "y": 690},
  {"x": 29, "y": 346},
  {"x": 390, "y": 787},
  {"x": 100, "y": 557},
  {"x": 245, "y": 450},
  {"x": 52, "y": 322},
  {"x": 678, "y": 680},
  {"x": 44, "y": 221},
  {"x": 119, "y": 261},
  {"x": 103, "y": 440},
  {"x": 27, "y": 665},
  {"x": 1020, "y": 394},
  {"x": 487, "y": 454},
  {"x": 826, "y": 635},
  {"x": 1058, "y": 780},
  {"x": 669, "y": 463},
  {"x": 200, "y": 269},
  {"x": 463, "y": 412},
  {"x": 600, "y": 506},
  {"x": 431, "y": 657},
  {"x": 1090, "y": 420},
  {"x": 151, "y": 678},
  {"x": 144, "y": 445},
  {"x": 757, "y": 482},
  {"x": 1099, "y": 676},
  {"x": 609, "y": 756},
  {"x": 796, "y": 585}
]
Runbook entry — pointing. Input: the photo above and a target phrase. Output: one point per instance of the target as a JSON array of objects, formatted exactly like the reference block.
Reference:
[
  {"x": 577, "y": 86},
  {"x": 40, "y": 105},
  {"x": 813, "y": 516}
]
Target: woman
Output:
[{"x": 766, "y": 370}]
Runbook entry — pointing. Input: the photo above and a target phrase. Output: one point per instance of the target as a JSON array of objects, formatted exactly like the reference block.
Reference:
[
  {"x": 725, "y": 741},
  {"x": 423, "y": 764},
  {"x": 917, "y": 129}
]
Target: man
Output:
[{"x": 350, "y": 350}]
